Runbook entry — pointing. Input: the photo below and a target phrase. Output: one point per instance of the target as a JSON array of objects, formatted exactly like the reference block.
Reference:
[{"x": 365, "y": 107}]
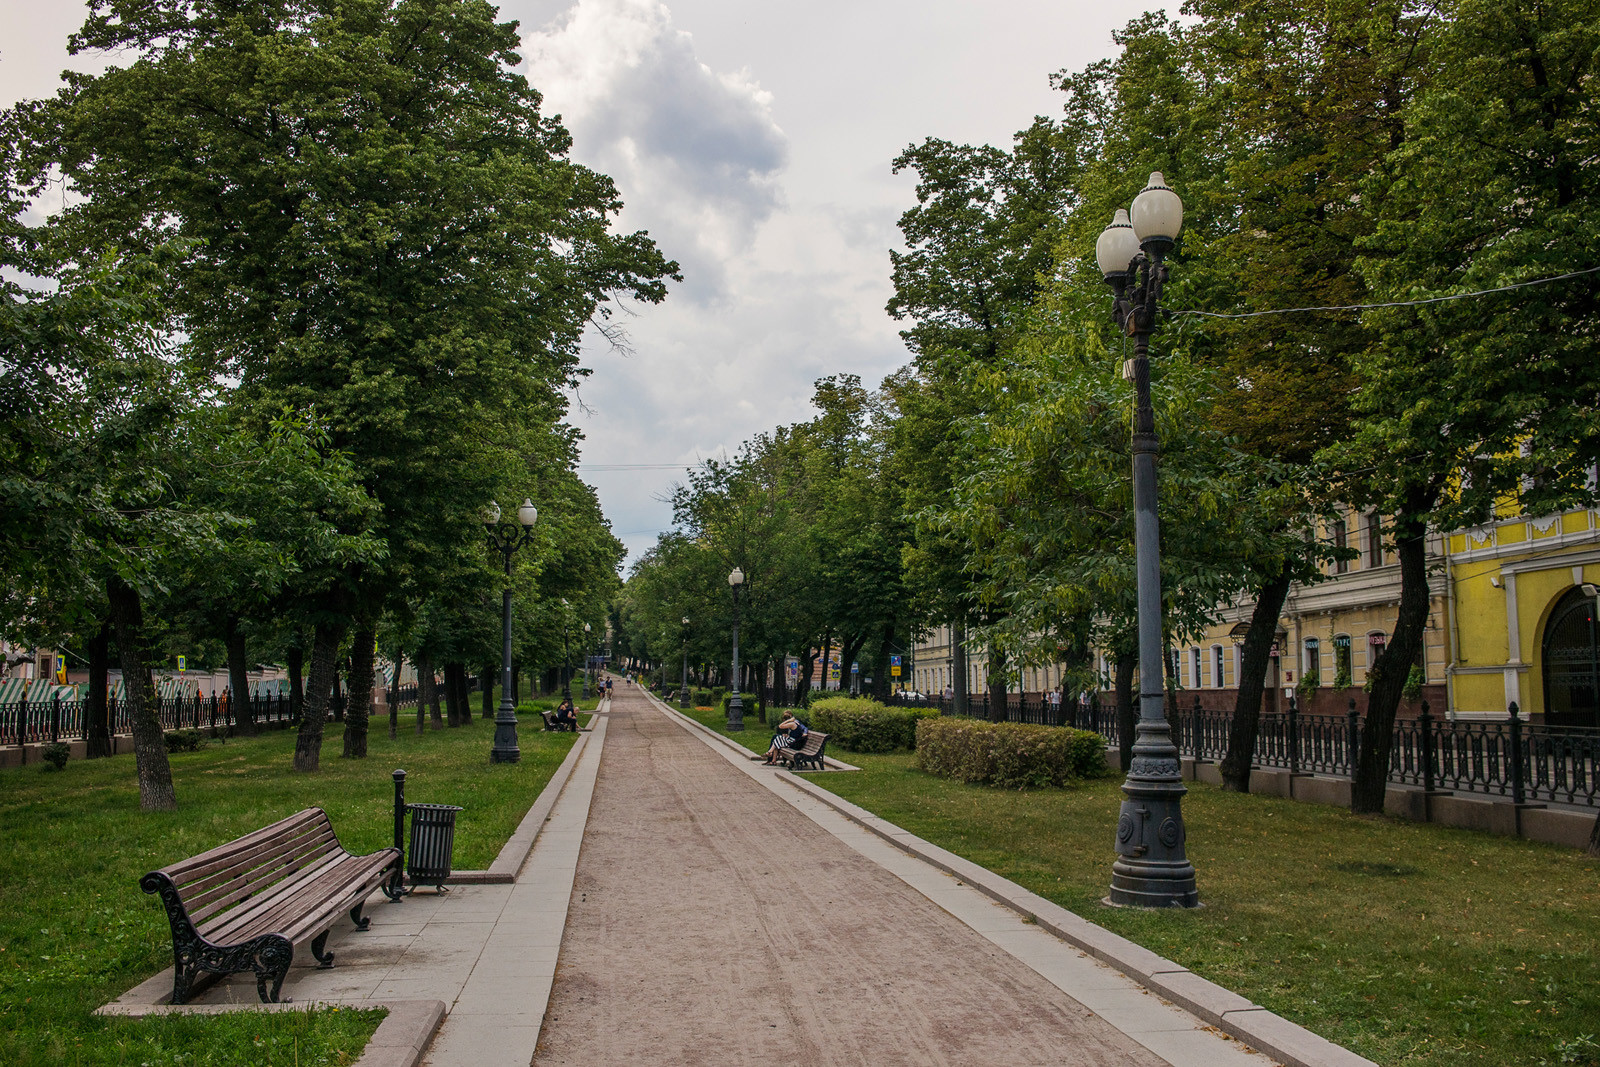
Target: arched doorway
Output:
[{"x": 1572, "y": 663}]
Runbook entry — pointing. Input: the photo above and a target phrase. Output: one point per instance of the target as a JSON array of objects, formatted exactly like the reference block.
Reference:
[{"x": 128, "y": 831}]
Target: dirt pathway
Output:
[{"x": 711, "y": 924}]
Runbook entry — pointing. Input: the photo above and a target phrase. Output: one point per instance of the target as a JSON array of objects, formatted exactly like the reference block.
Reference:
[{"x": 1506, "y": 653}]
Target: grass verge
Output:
[
  {"x": 1409, "y": 943},
  {"x": 75, "y": 931}
]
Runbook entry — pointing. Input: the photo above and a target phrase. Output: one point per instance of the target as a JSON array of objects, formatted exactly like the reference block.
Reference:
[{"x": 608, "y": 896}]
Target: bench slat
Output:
[
  {"x": 259, "y": 871},
  {"x": 276, "y": 900},
  {"x": 222, "y": 869},
  {"x": 186, "y": 870},
  {"x": 333, "y": 893}
]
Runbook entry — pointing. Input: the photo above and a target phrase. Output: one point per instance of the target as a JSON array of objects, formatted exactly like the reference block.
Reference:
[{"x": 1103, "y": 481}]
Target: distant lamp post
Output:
[
  {"x": 588, "y": 658},
  {"x": 507, "y": 537},
  {"x": 735, "y": 704},
  {"x": 1152, "y": 869},
  {"x": 683, "y": 687},
  {"x": 566, "y": 650}
]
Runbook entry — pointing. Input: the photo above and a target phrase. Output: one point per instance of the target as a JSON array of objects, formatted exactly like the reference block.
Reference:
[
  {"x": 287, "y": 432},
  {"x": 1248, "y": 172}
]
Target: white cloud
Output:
[{"x": 696, "y": 153}]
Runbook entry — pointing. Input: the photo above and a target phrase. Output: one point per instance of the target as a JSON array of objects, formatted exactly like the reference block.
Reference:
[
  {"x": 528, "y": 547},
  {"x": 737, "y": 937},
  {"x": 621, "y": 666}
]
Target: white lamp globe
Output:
[
  {"x": 527, "y": 514},
  {"x": 491, "y": 513},
  {"x": 1157, "y": 213},
  {"x": 1117, "y": 246},
  {"x": 736, "y": 577}
]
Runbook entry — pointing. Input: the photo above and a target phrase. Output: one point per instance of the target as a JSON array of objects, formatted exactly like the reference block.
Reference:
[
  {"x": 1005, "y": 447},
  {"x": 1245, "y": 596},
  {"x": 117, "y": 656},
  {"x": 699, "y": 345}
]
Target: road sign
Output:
[
  {"x": 855, "y": 668},
  {"x": 183, "y": 664},
  {"x": 894, "y": 669},
  {"x": 894, "y": 661}
]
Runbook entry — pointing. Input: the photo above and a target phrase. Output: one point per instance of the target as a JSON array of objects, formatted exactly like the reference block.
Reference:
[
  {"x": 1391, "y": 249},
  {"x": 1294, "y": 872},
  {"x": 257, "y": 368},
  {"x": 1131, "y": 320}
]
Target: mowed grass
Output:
[
  {"x": 1408, "y": 943},
  {"x": 76, "y": 931}
]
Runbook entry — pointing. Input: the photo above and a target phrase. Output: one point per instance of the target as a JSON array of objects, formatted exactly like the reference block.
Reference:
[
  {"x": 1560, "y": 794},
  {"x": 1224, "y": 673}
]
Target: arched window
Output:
[
  {"x": 1216, "y": 667},
  {"x": 1377, "y": 641},
  {"x": 1197, "y": 671},
  {"x": 1312, "y": 657},
  {"x": 1572, "y": 663},
  {"x": 1342, "y": 664}
]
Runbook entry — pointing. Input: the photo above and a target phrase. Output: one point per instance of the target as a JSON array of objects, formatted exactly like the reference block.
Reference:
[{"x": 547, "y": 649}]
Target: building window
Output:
[
  {"x": 1197, "y": 671},
  {"x": 1342, "y": 663},
  {"x": 1340, "y": 540},
  {"x": 1376, "y": 643},
  {"x": 1216, "y": 667},
  {"x": 1374, "y": 540},
  {"x": 1312, "y": 662}
]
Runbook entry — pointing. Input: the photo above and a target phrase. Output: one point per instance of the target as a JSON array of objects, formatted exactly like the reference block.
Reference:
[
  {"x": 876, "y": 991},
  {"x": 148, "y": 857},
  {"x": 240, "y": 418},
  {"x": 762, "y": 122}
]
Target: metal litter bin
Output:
[{"x": 433, "y": 839}]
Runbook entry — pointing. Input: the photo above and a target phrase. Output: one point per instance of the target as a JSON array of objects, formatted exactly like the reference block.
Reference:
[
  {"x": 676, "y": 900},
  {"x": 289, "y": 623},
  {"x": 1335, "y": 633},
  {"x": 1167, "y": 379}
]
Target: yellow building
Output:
[{"x": 1524, "y": 624}]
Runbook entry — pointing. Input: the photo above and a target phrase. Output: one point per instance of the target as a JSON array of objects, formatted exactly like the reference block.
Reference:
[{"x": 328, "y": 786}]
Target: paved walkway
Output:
[{"x": 684, "y": 905}]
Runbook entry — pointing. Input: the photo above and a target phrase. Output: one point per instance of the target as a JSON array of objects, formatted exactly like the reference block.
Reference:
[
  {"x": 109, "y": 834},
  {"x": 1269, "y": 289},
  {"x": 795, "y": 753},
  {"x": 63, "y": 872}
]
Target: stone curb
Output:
[
  {"x": 1290, "y": 1043},
  {"x": 399, "y": 1040},
  {"x": 514, "y": 853},
  {"x": 832, "y": 764}
]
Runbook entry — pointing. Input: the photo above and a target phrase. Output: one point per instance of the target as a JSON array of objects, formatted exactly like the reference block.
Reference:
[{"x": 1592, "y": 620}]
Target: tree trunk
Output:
[
  {"x": 139, "y": 691},
  {"x": 1127, "y": 714},
  {"x": 1393, "y": 667},
  {"x": 363, "y": 651},
  {"x": 244, "y": 719},
  {"x": 297, "y": 689},
  {"x": 424, "y": 690},
  {"x": 319, "y": 688},
  {"x": 958, "y": 665},
  {"x": 827, "y": 656},
  {"x": 98, "y": 711},
  {"x": 849, "y": 652},
  {"x": 1254, "y": 659},
  {"x": 808, "y": 662},
  {"x": 997, "y": 685}
]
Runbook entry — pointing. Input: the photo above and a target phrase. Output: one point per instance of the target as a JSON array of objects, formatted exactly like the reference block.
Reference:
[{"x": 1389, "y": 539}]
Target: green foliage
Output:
[
  {"x": 1310, "y": 681},
  {"x": 185, "y": 740},
  {"x": 858, "y": 724},
  {"x": 55, "y": 755},
  {"x": 1414, "y": 682},
  {"x": 1008, "y": 755},
  {"x": 1342, "y": 679}
]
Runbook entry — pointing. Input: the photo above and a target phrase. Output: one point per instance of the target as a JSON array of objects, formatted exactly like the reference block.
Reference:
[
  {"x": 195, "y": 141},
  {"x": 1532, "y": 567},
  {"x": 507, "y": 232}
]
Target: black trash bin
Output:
[{"x": 433, "y": 839}]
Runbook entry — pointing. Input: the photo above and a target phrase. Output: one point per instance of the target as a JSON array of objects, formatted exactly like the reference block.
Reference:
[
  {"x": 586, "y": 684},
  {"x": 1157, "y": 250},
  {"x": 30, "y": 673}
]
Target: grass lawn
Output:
[
  {"x": 75, "y": 930},
  {"x": 1408, "y": 943}
]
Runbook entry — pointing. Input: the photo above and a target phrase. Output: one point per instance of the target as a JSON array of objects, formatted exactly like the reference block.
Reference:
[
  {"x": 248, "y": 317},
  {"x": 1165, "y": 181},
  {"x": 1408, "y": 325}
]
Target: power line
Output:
[{"x": 1392, "y": 303}]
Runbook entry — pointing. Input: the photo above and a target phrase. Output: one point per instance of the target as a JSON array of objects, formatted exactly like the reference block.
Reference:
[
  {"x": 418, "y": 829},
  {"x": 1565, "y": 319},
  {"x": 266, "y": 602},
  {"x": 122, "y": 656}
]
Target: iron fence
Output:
[
  {"x": 44, "y": 721},
  {"x": 1508, "y": 757}
]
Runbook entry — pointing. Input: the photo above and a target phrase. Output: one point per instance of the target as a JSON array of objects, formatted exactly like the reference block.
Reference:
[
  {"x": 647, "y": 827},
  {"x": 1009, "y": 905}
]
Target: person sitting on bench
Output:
[
  {"x": 565, "y": 717},
  {"x": 791, "y": 734}
]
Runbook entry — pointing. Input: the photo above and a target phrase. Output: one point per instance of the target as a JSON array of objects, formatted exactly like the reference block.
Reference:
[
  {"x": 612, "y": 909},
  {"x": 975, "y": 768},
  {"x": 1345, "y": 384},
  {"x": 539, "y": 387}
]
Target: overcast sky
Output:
[{"x": 754, "y": 142}]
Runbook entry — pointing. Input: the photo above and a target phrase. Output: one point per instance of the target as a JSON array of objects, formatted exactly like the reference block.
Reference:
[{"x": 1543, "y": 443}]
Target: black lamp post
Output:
[
  {"x": 683, "y": 687},
  {"x": 588, "y": 658},
  {"x": 1152, "y": 869},
  {"x": 566, "y": 650},
  {"x": 507, "y": 537},
  {"x": 735, "y": 704}
]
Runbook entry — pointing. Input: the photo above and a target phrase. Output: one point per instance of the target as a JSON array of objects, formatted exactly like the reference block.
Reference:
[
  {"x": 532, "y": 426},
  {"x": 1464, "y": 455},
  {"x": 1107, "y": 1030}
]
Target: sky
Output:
[{"x": 754, "y": 142}]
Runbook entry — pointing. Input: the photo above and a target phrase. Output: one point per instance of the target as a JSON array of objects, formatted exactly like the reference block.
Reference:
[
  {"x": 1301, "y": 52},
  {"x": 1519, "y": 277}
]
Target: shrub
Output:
[
  {"x": 859, "y": 724},
  {"x": 1011, "y": 755},
  {"x": 185, "y": 740},
  {"x": 55, "y": 755}
]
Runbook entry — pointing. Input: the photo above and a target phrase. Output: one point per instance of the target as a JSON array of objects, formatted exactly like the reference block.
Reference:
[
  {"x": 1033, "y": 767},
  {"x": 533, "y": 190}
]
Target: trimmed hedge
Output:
[
  {"x": 1011, "y": 755},
  {"x": 859, "y": 724}
]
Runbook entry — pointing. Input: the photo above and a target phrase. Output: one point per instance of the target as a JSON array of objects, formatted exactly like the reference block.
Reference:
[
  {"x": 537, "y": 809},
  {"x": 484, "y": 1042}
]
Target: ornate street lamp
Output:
[
  {"x": 735, "y": 704},
  {"x": 683, "y": 687},
  {"x": 566, "y": 650},
  {"x": 1152, "y": 869},
  {"x": 507, "y": 537}
]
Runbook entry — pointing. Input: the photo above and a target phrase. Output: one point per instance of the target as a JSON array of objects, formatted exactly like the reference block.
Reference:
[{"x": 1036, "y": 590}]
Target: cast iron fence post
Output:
[
  {"x": 1294, "y": 736},
  {"x": 1353, "y": 738},
  {"x": 1427, "y": 748},
  {"x": 1516, "y": 756},
  {"x": 1194, "y": 739},
  {"x": 55, "y": 718},
  {"x": 395, "y": 890}
]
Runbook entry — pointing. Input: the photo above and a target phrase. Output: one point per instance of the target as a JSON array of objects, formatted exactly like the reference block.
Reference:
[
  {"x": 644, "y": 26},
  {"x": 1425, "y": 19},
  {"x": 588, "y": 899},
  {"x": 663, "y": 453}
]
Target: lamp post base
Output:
[
  {"x": 1152, "y": 869},
  {"x": 735, "y": 713},
  {"x": 505, "y": 748}
]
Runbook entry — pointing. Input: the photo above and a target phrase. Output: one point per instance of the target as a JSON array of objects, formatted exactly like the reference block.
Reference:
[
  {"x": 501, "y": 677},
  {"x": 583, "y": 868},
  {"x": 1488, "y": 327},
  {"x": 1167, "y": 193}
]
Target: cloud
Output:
[{"x": 696, "y": 154}]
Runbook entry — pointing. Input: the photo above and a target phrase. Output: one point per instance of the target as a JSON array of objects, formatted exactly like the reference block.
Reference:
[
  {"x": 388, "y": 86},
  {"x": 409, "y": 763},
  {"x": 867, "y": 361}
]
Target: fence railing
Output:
[
  {"x": 42, "y": 722},
  {"x": 1508, "y": 757}
]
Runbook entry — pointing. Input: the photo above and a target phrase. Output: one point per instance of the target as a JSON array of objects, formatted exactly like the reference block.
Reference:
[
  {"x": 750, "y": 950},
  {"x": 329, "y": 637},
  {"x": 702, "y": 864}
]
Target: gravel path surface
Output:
[{"x": 711, "y": 923}]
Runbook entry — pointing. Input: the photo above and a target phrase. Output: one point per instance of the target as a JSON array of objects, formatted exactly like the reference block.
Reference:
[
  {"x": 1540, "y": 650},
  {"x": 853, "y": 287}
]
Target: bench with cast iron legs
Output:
[
  {"x": 809, "y": 754},
  {"x": 556, "y": 725},
  {"x": 245, "y": 905}
]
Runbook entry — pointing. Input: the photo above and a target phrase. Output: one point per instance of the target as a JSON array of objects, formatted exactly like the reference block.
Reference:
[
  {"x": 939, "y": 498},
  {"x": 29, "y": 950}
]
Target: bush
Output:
[
  {"x": 531, "y": 708},
  {"x": 55, "y": 755},
  {"x": 185, "y": 740},
  {"x": 859, "y": 724},
  {"x": 1011, "y": 755}
]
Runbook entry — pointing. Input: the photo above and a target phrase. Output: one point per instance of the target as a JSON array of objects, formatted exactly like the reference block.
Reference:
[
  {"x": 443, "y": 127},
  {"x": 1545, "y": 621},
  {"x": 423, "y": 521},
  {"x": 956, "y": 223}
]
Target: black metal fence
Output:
[
  {"x": 1508, "y": 757},
  {"x": 38, "y": 722}
]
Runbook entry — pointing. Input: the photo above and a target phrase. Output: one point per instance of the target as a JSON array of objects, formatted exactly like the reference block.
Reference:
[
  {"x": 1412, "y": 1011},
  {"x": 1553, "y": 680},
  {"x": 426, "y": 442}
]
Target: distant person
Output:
[
  {"x": 791, "y": 734},
  {"x": 566, "y": 716}
]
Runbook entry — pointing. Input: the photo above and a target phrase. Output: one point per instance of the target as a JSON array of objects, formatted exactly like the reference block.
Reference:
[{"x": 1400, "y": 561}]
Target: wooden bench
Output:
[
  {"x": 245, "y": 905},
  {"x": 551, "y": 724},
  {"x": 808, "y": 754}
]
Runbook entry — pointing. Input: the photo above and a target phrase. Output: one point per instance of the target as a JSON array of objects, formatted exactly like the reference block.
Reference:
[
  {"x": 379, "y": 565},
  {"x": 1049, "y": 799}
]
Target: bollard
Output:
[
  {"x": 1427, "y": 749},
  {"x": 1516, "y": 756}
]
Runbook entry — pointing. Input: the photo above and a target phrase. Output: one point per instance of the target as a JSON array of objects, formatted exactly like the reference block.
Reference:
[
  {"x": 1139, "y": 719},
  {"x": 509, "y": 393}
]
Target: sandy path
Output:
[{"x": 713, "y": 924}]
